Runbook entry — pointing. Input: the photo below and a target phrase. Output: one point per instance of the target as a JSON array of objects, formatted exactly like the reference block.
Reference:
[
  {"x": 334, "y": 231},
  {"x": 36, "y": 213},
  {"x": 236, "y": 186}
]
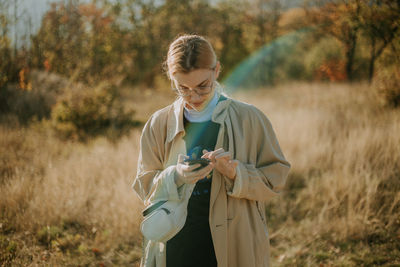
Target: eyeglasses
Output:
[{"x": 200, "y": 90}]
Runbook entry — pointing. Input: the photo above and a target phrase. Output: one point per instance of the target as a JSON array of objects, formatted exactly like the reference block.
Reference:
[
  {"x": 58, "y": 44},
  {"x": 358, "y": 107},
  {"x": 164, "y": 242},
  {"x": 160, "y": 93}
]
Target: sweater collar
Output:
[
  {"x": 175, "y": 119},
  {"x": 204, "y": 115}
]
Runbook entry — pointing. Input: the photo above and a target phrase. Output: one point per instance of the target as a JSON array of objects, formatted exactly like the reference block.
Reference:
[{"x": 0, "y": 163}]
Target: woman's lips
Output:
[{"x": 195, "y": 105}]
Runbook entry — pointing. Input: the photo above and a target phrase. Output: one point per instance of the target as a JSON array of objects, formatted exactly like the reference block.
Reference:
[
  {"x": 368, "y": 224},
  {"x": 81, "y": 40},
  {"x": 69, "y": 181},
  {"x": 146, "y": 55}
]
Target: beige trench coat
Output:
[{"x": 237, "y": 213}]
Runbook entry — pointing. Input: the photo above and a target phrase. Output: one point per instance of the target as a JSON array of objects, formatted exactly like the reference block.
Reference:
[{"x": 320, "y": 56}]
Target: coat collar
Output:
[{"x": 175, "y": 120}]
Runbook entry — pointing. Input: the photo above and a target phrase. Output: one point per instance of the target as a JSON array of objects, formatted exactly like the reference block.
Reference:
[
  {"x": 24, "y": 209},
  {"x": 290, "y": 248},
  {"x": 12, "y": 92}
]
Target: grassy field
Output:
[{"x": 71, "y": 204}]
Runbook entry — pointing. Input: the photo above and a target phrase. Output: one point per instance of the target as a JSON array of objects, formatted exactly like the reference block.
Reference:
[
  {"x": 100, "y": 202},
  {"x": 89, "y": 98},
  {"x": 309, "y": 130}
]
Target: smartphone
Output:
[{"x": 202, "y": 162}]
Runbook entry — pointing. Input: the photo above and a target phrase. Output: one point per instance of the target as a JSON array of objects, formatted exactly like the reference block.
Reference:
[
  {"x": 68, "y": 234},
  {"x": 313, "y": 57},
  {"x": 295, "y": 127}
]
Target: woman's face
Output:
[{"x": 197, "y": 87}]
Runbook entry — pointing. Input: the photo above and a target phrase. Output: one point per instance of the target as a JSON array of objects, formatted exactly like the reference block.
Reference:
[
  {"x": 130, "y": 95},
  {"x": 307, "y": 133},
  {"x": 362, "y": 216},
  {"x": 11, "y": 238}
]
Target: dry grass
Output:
[
  {"x": 70, "y": 189},
  {"x": 345, "y": 179},
  {"x": 66, "y": 203}
]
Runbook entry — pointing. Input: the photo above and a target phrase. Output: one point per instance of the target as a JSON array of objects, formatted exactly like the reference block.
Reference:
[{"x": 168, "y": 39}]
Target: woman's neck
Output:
[{"x": 204, "y": 115}]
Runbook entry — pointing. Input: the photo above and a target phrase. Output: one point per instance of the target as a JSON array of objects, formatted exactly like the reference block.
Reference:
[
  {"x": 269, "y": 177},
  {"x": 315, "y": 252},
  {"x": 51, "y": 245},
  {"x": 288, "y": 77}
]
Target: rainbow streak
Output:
[{"x": 262, "y": 67}]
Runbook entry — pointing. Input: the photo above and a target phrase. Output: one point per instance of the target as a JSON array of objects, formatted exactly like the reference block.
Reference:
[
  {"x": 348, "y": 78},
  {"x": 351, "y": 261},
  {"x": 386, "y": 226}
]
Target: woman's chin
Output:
[
  {"x": 199, "y": 107},
  {"x": 195, "y": 106}
]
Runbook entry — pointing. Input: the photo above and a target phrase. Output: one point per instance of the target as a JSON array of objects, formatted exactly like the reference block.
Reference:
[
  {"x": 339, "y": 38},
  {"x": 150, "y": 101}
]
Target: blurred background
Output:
[{"x": 78, "y": 79}]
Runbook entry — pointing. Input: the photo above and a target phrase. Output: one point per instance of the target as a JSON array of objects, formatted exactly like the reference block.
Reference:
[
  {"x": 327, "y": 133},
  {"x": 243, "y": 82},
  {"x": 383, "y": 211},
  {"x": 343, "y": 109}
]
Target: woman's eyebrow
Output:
[{"x": 196, "y": 85}]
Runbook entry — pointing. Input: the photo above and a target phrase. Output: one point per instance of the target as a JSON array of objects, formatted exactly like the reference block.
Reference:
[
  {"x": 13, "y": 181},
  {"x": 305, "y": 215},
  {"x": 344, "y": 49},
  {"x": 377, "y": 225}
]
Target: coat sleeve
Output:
[
  {"x": 152, "y": 182},
  {"x": 263, "y": 175}
]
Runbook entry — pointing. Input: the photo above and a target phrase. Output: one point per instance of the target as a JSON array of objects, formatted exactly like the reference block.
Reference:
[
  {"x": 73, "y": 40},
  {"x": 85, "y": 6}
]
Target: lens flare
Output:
[{"x": 262, "y": 67}]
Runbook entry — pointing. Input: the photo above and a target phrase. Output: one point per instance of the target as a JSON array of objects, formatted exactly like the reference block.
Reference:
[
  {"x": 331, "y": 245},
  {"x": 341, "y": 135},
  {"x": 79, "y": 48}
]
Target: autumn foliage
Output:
[
  {"x": 77, "y": 40},
  {"x": 91, "y": 41},
  {"x": 332, "y": 71}
]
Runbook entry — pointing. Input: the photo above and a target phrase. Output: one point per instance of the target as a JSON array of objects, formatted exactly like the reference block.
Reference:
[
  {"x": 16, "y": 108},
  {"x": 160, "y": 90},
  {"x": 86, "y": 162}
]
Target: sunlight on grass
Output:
[{"x": 65, "y": 202}]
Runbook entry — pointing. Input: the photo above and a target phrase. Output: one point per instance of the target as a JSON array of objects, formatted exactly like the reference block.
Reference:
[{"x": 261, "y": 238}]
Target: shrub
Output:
[
  {"x": 86, "y": 112},
  {"x": 8, "y": 249},
  {"x": 47, "y": 234},
  {"x": 36, "y": 101},
  {"x": 26, "y": 105}
]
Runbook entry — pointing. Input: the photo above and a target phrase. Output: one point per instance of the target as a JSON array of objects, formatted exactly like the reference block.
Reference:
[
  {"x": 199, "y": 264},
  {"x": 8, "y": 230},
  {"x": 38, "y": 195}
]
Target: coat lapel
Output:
[
  {"x": 175, "y": 120},
  {"x": 219, "y": 116},
  {"x": 218, "y": 198}
]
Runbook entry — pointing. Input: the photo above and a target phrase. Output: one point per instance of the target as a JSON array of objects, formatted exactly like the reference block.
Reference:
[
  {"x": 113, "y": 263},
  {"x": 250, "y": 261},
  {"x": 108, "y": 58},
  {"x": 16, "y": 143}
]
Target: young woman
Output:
[{"x": 225, "y": 223}]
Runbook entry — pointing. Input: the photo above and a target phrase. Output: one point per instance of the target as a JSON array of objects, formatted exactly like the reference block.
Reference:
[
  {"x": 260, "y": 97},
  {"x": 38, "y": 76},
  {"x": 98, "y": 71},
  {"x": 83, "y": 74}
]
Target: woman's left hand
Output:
[{"x": 222, "y": 162}]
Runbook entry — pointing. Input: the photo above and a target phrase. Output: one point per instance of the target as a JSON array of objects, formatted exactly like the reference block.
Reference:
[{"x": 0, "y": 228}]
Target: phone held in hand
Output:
[
  {"x": 202, "y": 162},
  {"x": 195, "y": 158}
]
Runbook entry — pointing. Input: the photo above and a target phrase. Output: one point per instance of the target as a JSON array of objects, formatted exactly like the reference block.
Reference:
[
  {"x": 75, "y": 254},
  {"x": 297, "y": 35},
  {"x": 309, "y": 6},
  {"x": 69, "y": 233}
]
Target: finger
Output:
[
  {"x": 218, "y": 151},
  {"x": 223, "y": 155},
  {"x": 193, "y": 177},
  {"x": 181, "y": 158},
  {"x": 204, "y": 171},
  {"x": 215, "y": 153},
  {"x": 205, "y": 155},
  {"x": 190, "y": 168}
]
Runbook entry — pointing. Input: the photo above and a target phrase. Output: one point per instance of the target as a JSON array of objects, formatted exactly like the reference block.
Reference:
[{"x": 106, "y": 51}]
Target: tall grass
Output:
[
  {"x": 344, "y": 185},
  {"x": 345, "y": 153},
  {"x": 90, "y": 185},
  {"x": 70, "y": 188}
]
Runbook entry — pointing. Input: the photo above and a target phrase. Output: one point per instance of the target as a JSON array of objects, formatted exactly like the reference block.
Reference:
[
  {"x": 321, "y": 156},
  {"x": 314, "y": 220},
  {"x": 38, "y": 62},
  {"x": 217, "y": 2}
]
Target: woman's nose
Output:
[{"x": 194, "y": 96}]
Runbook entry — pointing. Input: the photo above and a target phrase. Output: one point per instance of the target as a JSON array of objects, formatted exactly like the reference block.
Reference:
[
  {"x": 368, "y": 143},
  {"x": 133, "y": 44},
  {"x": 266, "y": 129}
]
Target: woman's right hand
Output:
[{"x": 185, "y": 173}]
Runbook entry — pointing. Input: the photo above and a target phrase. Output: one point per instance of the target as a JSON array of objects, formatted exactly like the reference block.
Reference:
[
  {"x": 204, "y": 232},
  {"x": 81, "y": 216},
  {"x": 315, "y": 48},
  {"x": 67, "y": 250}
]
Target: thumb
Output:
[
  {"x": 181, "y": 158},
  {"x": 234, "y": 162}
]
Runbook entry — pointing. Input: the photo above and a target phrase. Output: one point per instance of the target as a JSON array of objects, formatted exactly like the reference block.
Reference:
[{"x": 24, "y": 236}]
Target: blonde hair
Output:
[{"x": 189, "y": 52}]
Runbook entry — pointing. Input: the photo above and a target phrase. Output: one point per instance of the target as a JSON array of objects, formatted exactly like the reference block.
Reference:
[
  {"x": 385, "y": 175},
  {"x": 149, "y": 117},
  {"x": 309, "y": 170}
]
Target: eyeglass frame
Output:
[{"x": 195, "y": 90}]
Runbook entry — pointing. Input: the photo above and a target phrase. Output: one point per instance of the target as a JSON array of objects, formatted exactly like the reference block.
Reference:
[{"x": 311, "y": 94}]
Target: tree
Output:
[
  {"x": 340, "y": 19},
  {"x": 60, "y": 45},
  {"x": 380, "y": 21},
  {"x": 79, "y": 40},
  {"x": 265, "y": 15},
  {"x": 154, "y": 25},
  {"x": 229, "y": 35},
  {"x": 5, "y": 50}
]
